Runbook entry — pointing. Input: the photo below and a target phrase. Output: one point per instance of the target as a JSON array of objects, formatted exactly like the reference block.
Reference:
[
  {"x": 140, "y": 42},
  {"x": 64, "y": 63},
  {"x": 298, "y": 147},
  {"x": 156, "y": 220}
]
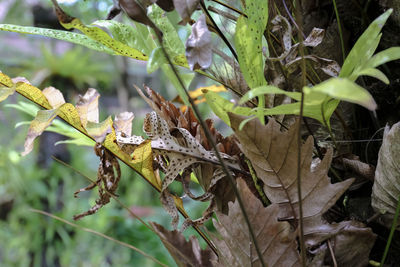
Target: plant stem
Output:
[
  {"x": 392, "y": 230},
  {"x": 203, "y": 6},
  {"x": 259, "y": 189},
  {"x": 299, "y": 140},
  {"x": 339, "y": 29}
]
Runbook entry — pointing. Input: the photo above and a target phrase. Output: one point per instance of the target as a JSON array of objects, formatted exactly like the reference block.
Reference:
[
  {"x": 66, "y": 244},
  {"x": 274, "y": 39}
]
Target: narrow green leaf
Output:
[
  {"x": 384, "y": 56},
  {"x": 71, "y": 37},
  {"x": 373, "y": 72},
  {"x": 267, "y": 89},
  {"x": 156, "y": 59},
  {"x": 221, "y": 106},
  {"x": 344, "y": 89},
  {"x": 365, "y": 45}
]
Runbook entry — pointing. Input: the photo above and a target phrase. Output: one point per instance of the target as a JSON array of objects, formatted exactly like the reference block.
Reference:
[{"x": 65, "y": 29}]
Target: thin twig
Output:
[
  {"x": 204, "y": 8},
  {"x": 332, "y": 253},
  {"x": 230, "y": 7},
  {"x": 299, "y": 140},
  {"x": 223, "y": 13}
]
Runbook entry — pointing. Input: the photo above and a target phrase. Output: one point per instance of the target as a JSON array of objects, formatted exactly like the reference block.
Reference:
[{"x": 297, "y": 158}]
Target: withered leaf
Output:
[
  {"x": 180, "y": 157},
  {"x": 276, "y": 240},
  {"x": 42, "y": 120},
  {"x": 88, "y": 106},
  {"x": 351, "y": 244},
  {"x": 273, "y": 155},
  {"x": 185, "y": 253},
  {"x": 54, "y": 96},
  {"x": 386, "y": 188},
  {"x": 123, "y": 123},
  {"x": 185, "y": 9},
  {"x": 198, "y": 45}
]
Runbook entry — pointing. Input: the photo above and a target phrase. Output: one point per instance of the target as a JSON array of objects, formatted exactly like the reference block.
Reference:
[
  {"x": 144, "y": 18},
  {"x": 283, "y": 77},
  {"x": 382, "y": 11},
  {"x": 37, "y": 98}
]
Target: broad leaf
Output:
[
  {"x": 386, "y": 189},
  {"x": 276, "y": 240},
  {"x": 273, "y": 155}
]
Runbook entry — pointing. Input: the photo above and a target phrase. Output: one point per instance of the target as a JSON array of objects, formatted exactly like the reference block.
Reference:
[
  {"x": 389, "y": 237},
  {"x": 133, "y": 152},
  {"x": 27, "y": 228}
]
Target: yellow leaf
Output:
[
  {"x": 42, "y": 120},
  {"x": 32, "y": 93},
  {"x": 5, "y": 80}
]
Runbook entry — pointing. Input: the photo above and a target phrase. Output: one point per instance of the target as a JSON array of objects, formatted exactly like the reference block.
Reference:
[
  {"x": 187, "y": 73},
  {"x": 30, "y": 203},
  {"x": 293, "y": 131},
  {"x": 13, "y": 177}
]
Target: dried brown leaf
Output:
[
  {"x": 273, "y": 155},
  {"x": 276, "y": 240},
  {"x": 185, "y": 253},
  {"x": 386, "y": 189},
  {"x": 198, "y": 45}
]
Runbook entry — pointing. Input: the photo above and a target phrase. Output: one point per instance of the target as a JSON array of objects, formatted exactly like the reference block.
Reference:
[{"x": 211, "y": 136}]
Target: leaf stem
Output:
[
  {"x": 259, "y": 189},
  {"x": 340, "y": 29},
  {"x": 392, "y": 230},
  {"x": 299, "y": 140},
  {"x": 203, "y": 6}
]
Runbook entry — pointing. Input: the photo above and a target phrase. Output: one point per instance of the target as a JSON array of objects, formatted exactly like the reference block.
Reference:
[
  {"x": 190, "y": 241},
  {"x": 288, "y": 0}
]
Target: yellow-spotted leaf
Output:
[{"x": 98, "y": 35}]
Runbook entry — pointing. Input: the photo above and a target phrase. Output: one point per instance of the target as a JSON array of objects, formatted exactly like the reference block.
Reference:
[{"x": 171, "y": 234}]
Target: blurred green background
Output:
[{"x": 38, "y": 182}]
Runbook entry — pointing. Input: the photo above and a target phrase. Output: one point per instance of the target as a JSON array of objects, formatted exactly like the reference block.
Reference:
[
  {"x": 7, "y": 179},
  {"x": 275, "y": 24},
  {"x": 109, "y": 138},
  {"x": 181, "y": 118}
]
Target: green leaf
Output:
[
  {"x": 71, "y": 37},
  {"x": 267, "y": 89},
  {"x": 125, "y": 34},
  {"x": 373, "y": 72},
  {"x": 156, "y": 59},
  {"x": 365, "y": 45},
  {"x": 249, "y": 50},
  {"x": 384, "y": 56},
  {"x": 221, "y": 106},
  {"x": 344, "y": 89}
]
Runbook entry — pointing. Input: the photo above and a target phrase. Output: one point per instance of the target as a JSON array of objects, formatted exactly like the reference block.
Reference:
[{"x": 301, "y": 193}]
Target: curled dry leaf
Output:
[
  {"x": 54, "y": 96},
  {"x": 386, "y": 189},
  {"x": 185, "y": 9},
  {"x": 123, "y": 123},
  {"x": 185, "y": 253},
  {"x": 88, "y": 106},
  {"x": 108, "y": 176},
  {"x": 276, "y": 240},
  {"x": 198, "y": 45}
]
